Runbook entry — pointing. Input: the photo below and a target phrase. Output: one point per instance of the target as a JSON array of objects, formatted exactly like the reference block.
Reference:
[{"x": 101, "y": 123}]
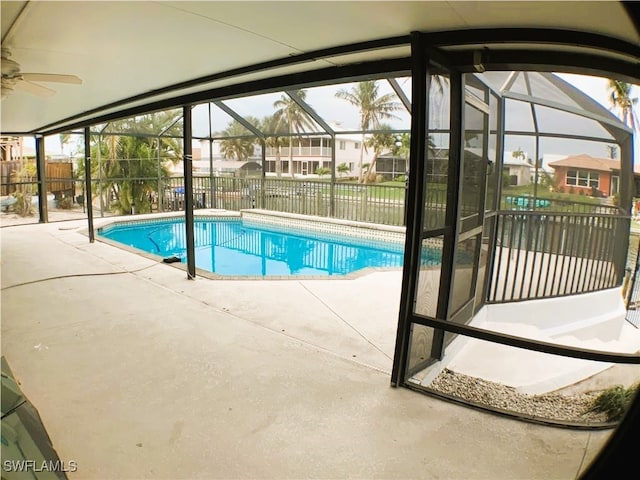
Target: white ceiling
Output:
[{"x": 122, "y": 49}]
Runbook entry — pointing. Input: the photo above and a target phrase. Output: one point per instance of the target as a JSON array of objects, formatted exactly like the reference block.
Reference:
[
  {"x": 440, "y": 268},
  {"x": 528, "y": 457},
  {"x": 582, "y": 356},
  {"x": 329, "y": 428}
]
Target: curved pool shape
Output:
[{"x": 237, "y": 248}]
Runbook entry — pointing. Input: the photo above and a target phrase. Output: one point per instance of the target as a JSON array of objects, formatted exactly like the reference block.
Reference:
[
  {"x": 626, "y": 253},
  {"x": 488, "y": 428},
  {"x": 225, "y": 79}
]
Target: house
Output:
[
  {"x": 591, "y": 175},
  {"x": 391, "y": 166},
  {"x": 308, "y": 153},
  {"x": 311, "y": 152},
  {"x": 519, "y": 171}
]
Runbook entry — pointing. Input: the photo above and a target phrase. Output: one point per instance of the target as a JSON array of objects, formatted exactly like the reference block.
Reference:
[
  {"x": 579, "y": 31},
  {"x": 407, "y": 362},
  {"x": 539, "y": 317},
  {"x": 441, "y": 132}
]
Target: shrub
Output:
[
  {"x": 65, "y": 203},
  {"x": 23, "y": 206},
  {"x": 343, "y": 168},
  {"x": 321, "y": 171},
  {"x": 615, "y": 401},
  {"x": 400, "y": 178},
  {"x": 26, "y": 179}
]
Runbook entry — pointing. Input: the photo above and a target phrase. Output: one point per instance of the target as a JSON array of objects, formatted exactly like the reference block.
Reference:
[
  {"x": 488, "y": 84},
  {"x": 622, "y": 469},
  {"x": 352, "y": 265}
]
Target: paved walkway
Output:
[{"x": 149, "y": 375}]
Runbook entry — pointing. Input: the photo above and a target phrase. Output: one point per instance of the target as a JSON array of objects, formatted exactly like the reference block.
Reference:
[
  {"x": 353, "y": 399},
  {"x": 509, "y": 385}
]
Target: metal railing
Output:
[
  {"x": 546, "y": 204},
  {"x": 540, "y": 255},
  {"x": 382, "y": 204}
]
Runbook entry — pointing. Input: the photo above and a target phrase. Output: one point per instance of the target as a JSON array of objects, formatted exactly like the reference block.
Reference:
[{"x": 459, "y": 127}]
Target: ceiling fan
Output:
[{"x": 14, "y": 79}]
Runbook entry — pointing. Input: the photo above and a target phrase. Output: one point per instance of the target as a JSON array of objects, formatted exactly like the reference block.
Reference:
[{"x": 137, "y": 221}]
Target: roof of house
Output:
[
  {"x": 587, "y": 162},
  {"x": 517, "y": 163}
]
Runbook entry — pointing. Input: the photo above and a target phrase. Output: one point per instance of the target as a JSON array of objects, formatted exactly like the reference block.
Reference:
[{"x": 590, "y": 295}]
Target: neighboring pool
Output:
[{"x": 238, "y": 248}]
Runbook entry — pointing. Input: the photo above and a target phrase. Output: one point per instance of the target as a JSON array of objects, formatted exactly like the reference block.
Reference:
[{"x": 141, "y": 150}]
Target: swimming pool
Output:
[{"x": 235, "y": 247}]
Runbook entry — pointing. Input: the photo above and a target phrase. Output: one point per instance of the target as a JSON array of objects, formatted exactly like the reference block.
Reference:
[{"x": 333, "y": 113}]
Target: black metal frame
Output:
[
  {"x": 87, "y": 179},
  {"x": 42, "y": 180},
  {"x": 424, "y": 47},
  {"x": 401, "y": 374},
  {"x": 319, "y": 77},
  {"x": 188, "y": 193},
  {"x": 415, "y": 194}
]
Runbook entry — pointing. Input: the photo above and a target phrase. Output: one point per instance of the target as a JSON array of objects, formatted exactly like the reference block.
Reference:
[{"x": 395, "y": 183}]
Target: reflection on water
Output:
[{"x": 234, "y": 248}]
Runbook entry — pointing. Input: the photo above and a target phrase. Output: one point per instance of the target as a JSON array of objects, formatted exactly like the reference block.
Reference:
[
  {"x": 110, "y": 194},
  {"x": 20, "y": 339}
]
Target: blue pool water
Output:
[{"x": 234, "y": 247}]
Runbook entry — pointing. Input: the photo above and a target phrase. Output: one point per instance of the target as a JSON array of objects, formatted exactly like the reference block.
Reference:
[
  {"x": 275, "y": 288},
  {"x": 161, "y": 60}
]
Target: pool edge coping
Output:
[{"x": 203, "y": 213}]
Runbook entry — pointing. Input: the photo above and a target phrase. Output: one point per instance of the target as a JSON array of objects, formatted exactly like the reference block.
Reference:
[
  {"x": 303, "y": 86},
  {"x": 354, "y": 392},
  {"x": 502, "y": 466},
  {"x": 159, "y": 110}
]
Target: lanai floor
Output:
[{"x": 140, "y": 373}]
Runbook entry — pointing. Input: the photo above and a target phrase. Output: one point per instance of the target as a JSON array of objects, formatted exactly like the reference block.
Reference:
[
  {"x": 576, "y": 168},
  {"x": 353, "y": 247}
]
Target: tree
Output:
[
  {"x": 402, "y": 146},
  {"x": 64, "y": 139},
  {"x": 343, "y": 168},
  {"x": 620, "y": 98},
  {"x": 294, "y": 117},
  {"x": 612, "y": 150},
  {"x": 518, "y": 154},
  {"x": 373, "y": 108},
  {"x": 379, "y": 142},
  {"x": 237, "y": 144},
  {"x": 131, "y": 169},
  {"x": 272, "y": 126}
]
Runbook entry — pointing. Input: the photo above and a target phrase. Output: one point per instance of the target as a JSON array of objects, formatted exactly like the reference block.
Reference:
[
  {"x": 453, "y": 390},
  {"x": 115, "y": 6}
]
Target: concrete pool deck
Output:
[{"x": 149, "y": 375}]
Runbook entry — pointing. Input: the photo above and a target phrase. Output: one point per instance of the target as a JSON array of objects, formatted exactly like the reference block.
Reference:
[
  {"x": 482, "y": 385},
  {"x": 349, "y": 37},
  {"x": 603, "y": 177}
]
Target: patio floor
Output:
[{"x": 149, "y": 375}]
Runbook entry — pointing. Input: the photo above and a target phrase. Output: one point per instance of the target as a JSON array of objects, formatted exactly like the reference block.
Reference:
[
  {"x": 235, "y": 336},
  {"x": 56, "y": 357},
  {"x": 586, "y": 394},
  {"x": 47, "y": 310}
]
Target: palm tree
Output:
[
  {"x": 620, "y": 97},
  {"x": 379, "y": 142},
  {"x": 296, "y": 119},
  {"x": 64, "y": 139},
  {"x": 342, "y": 168},
  {"x": 518, "y": 154},
  {"x": 131, "y": 170},
  {"x": 373, "y": 108},
  {"x": 271, "y": 126},
  {"x": 238, "y": 145}
]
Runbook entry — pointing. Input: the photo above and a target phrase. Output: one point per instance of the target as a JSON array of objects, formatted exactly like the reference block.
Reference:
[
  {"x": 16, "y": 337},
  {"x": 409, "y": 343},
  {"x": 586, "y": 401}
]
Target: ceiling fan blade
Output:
[
  {"x": 51, "y": 77},
  {"x": 34, "y": 89}
]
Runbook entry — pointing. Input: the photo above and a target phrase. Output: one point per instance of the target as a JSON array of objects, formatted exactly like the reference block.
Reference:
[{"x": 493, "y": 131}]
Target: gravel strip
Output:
[{"x": 550, "y": 406}]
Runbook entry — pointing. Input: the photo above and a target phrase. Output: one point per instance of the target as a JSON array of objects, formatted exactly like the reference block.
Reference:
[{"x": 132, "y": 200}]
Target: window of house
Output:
[
  {"x": 356, "y": 145},
  {"x": 342, "y": 145},
  {"x": 583, "y": 178}
]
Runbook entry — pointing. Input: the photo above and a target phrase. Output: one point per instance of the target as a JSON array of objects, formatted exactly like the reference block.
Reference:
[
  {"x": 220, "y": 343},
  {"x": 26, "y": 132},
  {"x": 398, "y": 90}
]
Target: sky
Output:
[{"x": 332, "y": 109}]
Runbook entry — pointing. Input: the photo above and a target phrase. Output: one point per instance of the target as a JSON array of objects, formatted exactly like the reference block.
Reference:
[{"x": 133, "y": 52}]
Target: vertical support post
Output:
[
  {"x": 406, "y": 199},
  {"x": 419, "y": 96},
  {"x": 160, "y": 183},
  {"x": 332, "y": 188},
  {"x": 455, "y": 180},
  {"x": 87, "y": 182},
  {"x": 263, "y": 143},
  {"x": 188, "y": 192},
  {"x": 100, "y": 184},
  {"x": 537, "y": 175},
  {"x": 41, "y": 174},
  {"x": 212, "y": 189},
  {"x": 536, "y": 128},
  {"x": 627, "y": 187},
  {"x": 626, "y": 174},
  {"x": 493, "y": 242}
]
